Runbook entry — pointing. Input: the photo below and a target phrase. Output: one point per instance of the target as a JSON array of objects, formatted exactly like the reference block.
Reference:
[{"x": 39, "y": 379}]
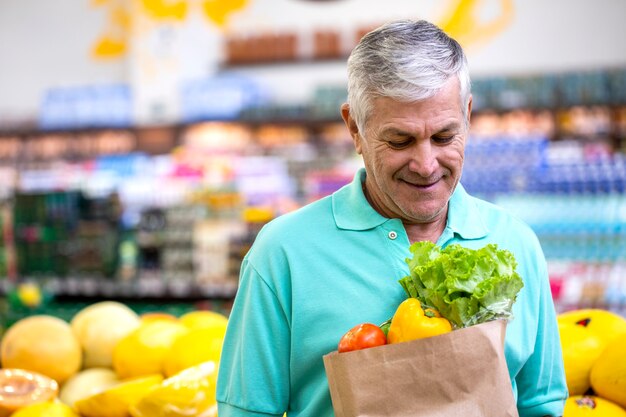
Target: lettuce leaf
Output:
[{"x": 467, "y": 286}]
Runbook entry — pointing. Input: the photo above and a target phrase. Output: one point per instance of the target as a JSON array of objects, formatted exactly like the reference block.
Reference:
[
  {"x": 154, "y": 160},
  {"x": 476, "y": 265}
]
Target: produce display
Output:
[
  {"x": 594, "y": 352},
  {"x": 108, "y": 361}
]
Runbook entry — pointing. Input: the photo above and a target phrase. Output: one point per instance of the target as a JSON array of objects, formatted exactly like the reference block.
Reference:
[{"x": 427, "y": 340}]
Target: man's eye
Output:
[
  {"x": 400, "y": 144},
  {"x": 443, "y": 138}
]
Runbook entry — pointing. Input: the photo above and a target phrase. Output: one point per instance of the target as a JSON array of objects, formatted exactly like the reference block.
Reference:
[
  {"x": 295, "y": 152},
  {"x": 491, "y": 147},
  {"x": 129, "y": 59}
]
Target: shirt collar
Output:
[
  {"x": 464, "y": 217},
  {"x": 352, "y": 211}
]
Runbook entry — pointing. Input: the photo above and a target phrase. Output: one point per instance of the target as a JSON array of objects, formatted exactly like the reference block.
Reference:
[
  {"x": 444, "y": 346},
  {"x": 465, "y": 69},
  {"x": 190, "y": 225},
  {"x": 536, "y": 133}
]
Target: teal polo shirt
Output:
[{"x": 313, "y": 274}]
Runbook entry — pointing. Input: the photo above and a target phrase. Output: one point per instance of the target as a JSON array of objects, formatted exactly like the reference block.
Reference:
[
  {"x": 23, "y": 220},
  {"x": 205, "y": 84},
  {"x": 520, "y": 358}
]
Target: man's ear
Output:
[
  {"x": 469, "y": 109},
  {"x": 352, "y": 127}
]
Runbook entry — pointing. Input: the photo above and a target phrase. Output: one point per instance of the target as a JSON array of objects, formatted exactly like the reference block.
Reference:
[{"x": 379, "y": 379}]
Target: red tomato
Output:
[{"x": 362, "y": 336}]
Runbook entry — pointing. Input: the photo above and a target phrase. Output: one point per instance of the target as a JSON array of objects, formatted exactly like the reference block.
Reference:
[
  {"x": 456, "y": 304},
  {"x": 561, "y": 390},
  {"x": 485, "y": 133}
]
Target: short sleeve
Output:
[
  {"x": 541, "y": 382},
  {"x": 253, "y": 378}
]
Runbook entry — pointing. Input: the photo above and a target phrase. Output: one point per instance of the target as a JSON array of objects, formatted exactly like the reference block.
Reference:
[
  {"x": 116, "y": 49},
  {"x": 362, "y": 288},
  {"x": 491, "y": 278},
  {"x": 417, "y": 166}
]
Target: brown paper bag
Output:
[{"x": 461, "y": 373}]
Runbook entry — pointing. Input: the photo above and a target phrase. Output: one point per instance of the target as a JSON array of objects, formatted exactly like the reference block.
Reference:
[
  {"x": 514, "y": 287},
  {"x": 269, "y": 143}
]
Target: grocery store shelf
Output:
[{"x": 141, "y": 289}]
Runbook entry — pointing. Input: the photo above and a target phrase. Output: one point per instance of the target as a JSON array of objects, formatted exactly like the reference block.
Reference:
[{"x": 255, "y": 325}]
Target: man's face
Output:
[{"x": 413, "y": 154}]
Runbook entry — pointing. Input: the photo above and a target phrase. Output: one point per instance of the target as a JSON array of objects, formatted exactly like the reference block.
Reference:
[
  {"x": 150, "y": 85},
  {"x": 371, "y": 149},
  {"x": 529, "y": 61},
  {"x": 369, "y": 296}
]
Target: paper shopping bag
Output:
[{"x": 461, "y": 373}]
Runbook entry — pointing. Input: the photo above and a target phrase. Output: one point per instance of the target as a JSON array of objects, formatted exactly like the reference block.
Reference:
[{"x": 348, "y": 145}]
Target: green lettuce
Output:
[{"x": 467, "y": 286}]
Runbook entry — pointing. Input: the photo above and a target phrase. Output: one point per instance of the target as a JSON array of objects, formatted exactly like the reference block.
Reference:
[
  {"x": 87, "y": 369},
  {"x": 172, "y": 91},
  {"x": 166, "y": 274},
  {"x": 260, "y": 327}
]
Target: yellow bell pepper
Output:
[{"x": 411, "y": 321}]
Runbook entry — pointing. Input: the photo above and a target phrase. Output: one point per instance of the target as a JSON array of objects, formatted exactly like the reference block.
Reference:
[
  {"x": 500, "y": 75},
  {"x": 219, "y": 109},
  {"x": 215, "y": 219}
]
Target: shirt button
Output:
[{"x": 392, "y": 235}]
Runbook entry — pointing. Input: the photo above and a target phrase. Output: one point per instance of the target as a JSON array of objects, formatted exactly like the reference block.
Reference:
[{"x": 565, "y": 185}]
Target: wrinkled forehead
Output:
[{"x": 443, "y": 104}]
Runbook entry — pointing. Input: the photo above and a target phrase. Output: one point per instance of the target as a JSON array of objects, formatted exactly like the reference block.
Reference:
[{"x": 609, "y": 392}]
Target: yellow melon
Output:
[
  {"x": 47, "y": 409},
  {"x": 198, "y": 346},
  {"x": 203, "y": 318},
  {"x": 580, "y": 349},
  {"x": 86, "y": 383},
  {"x": 20, "y": 388},
  {"x": 43, "y": 344},
  {"x": 99, "y": 327},
  {"x": 605, "y": 324},
  {"x": 608, "y": 374},
  {"x": 188, "y": 393},
  {"x": 115, "y": 401},
  {"x": 143, "y": 351},
  {"x": 156, "y": 316},
  {"x": 581, "y": 406}
]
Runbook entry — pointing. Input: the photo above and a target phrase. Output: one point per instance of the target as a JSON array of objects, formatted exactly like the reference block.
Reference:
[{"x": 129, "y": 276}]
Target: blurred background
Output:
[{"x": 143, "y": 143}]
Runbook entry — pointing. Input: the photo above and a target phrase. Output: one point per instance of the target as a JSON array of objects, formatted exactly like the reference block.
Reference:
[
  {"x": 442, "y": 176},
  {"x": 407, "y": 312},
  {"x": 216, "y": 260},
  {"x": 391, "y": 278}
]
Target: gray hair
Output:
[{"x": 406, "y": 61}]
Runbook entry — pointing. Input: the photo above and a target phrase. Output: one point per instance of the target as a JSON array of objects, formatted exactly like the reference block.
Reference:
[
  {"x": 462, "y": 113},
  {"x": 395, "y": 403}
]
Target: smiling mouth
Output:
[{"x": 420, "y": 185}]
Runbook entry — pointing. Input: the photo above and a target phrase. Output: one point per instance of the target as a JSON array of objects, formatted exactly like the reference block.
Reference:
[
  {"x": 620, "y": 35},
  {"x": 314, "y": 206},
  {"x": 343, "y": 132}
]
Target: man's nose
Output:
[{"x": 423, "y": 159}]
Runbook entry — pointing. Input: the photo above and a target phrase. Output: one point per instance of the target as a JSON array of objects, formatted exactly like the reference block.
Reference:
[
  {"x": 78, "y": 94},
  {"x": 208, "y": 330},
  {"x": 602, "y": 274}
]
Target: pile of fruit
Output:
[
  {"x": 110, "y": 362},
  {"x": 594, "y": 354}
]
